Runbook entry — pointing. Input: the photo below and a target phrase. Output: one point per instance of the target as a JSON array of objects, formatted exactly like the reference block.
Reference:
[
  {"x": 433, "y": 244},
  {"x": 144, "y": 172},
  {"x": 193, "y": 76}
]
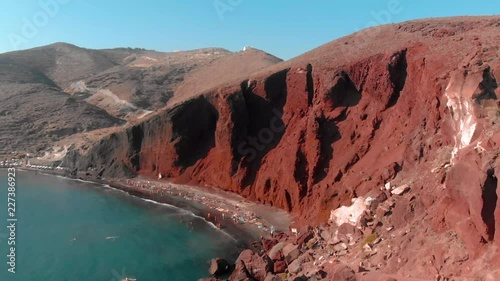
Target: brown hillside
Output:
[{"x": 52, "y": 92}]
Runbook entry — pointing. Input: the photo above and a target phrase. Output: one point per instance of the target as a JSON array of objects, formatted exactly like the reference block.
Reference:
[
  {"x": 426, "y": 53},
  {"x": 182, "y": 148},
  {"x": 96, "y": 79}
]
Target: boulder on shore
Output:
[
  {"x": 240, "y": 273},
  {"x": 340, "y": 272},
  {"x": 218, "y": 266},
  {"x": 257, "y": 266}
]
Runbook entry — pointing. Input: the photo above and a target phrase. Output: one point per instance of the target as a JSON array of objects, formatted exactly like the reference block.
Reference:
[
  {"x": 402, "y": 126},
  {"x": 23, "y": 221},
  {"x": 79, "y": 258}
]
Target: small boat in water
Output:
[{"x": 129, "y": 279}]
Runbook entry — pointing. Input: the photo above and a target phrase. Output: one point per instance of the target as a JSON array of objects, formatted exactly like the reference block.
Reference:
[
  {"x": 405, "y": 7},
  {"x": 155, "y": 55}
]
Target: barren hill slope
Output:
[
  {"x": 55, "y": 91},
  {"x": 61, "y": 62},
  {"x": 36, "y": 112}
]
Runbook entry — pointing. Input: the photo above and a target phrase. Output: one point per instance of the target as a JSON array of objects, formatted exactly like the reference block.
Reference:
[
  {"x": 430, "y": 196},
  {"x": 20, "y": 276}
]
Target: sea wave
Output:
[
  {"x": 149, "y": 200},
  {"x": 211, "y": 224},
  {"x": 84, "y": 181}
]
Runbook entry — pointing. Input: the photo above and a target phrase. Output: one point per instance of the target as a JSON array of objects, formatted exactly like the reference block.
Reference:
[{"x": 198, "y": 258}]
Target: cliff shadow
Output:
[
  {"x": 341, "y": 96},
  {"x": 490, "y": 198},
  {"x": 488, "y": 87},
  {"x": 328, "y": 133},
  {"x": 397, "y": 75},
  {"x": 265, "y": 127},
  {"x": 343, "y": 93},
  {"x": 193, "y": 129},
  {"x": 135, "y": 138}
]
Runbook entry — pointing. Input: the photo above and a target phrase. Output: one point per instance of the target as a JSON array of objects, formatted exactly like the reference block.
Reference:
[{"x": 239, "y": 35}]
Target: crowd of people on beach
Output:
[{"x": 226, "y": 210}]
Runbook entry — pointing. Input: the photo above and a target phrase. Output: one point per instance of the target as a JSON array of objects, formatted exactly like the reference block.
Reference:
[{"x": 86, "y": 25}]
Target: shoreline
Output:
[
  {"x": 200, "y": 202},
  {"x": 240, "y": 235}
]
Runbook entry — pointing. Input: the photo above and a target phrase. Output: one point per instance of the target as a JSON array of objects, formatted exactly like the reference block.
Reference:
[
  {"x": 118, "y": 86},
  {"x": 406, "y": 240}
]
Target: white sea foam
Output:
[{"x": 80, "y": 180}]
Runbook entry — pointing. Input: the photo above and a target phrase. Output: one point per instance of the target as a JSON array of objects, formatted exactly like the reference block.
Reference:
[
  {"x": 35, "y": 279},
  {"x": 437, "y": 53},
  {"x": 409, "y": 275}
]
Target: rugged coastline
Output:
[{"x": 389, "y": 145}]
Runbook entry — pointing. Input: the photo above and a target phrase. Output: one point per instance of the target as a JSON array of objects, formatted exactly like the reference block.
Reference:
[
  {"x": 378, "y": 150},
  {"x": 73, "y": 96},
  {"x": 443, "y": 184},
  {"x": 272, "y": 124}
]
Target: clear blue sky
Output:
[{"x": 285, "y": 28}]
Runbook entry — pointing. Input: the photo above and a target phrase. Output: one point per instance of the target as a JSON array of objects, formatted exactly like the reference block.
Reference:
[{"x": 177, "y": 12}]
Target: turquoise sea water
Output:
[{"x": 117, "y": 235}]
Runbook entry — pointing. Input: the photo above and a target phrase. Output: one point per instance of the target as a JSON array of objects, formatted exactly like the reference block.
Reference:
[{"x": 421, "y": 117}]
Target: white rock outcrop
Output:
[{"x": 351, "y": 214}]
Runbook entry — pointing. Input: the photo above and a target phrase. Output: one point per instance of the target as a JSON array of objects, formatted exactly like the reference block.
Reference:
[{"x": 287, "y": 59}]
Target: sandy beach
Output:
[{"x": 243, "y": 220}]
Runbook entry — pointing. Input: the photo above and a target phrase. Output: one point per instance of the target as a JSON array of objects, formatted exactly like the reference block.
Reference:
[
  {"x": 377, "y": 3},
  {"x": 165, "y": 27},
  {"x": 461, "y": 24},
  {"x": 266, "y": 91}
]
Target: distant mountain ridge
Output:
[{"x": 114, "y": 86}]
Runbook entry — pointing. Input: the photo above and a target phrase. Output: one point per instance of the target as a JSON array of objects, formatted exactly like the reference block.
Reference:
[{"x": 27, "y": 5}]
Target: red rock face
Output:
[
  {"x": 308, "y": 139},
  {"x": 310, "y": 134}
]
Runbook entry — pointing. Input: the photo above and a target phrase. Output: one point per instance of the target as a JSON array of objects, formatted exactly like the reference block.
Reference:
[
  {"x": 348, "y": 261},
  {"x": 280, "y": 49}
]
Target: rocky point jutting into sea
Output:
[{"x": 382, "y": 144}]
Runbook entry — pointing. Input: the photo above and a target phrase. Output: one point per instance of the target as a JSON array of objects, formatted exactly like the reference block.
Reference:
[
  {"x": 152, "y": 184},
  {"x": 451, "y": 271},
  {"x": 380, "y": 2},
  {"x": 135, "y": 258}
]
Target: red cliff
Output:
[{"x": 411, "y": 103}]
